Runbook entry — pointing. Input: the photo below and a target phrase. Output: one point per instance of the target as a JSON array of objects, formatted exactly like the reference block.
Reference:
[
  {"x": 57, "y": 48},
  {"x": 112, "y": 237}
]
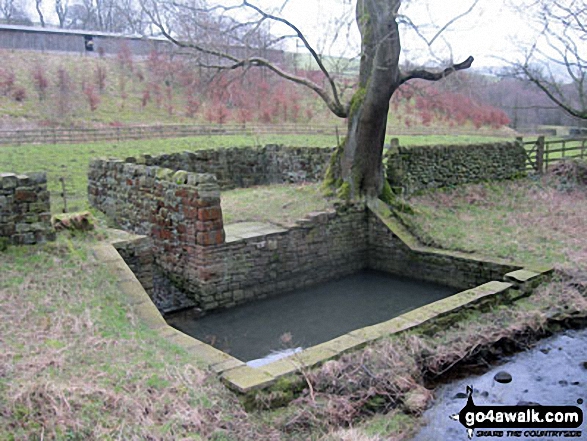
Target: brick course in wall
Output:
[
  {"x": 25, "y": 210},
  {"x": 418, "y": 168}
]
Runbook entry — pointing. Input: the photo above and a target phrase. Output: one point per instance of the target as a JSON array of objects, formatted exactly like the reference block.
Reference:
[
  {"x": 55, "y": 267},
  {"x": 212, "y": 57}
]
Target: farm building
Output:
[
  {"x": 67, "y": 40},
  {"x": 14, "y": 37}
]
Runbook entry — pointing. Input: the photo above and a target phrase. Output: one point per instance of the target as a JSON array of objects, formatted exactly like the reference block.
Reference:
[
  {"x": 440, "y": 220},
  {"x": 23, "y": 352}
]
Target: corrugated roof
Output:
[{"x": 75, "y": 32}]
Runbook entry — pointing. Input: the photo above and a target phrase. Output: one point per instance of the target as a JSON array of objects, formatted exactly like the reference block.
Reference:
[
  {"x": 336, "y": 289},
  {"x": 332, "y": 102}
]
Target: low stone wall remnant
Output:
[{"x": 25, "y": 210}]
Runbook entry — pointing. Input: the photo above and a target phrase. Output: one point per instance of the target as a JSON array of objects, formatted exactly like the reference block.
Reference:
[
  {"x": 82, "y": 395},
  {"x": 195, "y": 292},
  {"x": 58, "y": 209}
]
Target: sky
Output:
[{"x": 490, "y": 33}]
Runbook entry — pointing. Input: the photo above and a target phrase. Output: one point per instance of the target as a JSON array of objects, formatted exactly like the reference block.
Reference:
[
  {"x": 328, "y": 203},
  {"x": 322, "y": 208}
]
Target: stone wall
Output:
[
  {"x": 180, "y": 212},
  {"x": 137, "y": 253},
  {"x": 322, "y": 247},
  {"x": 248, "y": 166},
  {"x": 417, "y": 168},
  {"x": 387, "y": 252},
  {"x": 25, "y": 210},
  {"x": 176, "y": 209}
]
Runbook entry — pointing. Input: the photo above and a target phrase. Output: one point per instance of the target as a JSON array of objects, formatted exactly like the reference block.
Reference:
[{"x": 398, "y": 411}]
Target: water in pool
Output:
[{"x": 310, "y": 316}]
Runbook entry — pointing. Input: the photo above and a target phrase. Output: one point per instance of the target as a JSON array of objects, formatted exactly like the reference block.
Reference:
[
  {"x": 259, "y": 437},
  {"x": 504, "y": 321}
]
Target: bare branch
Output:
[
  {"x": 436, "y": 76},
  {"x": 336, "y": 108},
  {"x": 309, "y": 47}
]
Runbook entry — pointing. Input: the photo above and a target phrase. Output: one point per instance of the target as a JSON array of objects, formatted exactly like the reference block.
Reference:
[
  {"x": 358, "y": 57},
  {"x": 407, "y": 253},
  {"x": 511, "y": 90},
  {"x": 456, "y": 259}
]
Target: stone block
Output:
[
  {"x": 8, "y": 181},
  {"x": 245, "y": 378},
  {"x": 21, "y": 195}
]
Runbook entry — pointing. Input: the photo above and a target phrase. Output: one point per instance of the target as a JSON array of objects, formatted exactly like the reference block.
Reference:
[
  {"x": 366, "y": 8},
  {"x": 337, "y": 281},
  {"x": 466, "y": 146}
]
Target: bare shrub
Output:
[
  {"x": 64, "y": 90},
  {"x": 40, "y": 80},
  {"x": 92, "y": 97},
  {"x": 570, "y": 171},
  {"x": 100, "y": 77},
  {"x": 19, "y": 94}
]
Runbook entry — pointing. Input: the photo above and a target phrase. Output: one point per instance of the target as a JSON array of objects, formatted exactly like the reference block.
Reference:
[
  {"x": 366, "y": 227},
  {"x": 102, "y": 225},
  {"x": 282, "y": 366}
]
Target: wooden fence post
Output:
[{"x": 540, "y": 155}]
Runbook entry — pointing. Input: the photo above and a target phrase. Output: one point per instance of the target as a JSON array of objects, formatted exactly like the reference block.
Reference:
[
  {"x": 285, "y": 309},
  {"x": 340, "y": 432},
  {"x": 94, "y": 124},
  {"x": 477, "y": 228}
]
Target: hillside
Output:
[{"x": 71, "y": 90}]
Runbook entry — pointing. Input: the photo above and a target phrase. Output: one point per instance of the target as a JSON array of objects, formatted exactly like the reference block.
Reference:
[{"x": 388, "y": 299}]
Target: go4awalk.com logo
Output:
[{"x": 530, "y": 421}]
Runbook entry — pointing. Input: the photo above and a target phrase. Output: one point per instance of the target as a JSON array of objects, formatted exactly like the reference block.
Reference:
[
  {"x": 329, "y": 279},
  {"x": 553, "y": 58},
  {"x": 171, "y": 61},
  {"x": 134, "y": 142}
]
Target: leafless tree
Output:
[
  {"x": 557, "y": 62},
  {"x": 214, "y": 32},
  {"x": 120, "y": 16},
  {"x": 12, "y": 12},
  {"x": 38, "y": 6},
  {"x": 62, "y": 9},
  {"x": 7, "y": 9}
]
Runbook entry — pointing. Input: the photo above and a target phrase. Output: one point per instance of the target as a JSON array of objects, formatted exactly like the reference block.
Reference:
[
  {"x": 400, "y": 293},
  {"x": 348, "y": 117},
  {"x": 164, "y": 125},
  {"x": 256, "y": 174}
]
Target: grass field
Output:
[
  {"x": 71, "y": 160},
  {"x": 278, "y": 204}
]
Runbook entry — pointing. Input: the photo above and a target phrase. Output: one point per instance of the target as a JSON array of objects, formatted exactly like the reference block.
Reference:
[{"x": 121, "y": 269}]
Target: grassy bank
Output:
[
  {"x": 71, "y": 160},
  {"x": 76, "y": 364},
  {"x": 531, "y": 220}
]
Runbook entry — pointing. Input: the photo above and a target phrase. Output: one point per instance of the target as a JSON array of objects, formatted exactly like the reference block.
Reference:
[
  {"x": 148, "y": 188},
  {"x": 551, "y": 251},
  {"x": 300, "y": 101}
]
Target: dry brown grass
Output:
[
  {"x": 533, "y": 221},
  {"x": 76, "y": 363}
]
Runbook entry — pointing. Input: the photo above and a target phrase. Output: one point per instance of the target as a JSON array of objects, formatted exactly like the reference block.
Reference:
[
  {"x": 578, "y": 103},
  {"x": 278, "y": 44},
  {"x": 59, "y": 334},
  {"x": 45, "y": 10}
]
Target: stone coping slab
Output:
[
  {"x": 248, "y": 230},
  {"x": 242, "y": 378}
]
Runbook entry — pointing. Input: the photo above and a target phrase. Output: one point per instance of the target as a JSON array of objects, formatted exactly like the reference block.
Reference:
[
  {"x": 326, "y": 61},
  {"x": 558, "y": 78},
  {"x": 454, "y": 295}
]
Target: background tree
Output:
[
  {"x": 62, "y": 9},
  {"x": 39, "y": 8},
  {"x": 557, "y": 62},
  {"x": 12, "y": 12},
  {"x": 215, "y": 33}
]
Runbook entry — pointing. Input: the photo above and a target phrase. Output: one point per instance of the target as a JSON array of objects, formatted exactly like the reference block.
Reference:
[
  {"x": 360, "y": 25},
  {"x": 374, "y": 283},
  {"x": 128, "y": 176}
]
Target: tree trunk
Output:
[{"x": 360, "y": 167}]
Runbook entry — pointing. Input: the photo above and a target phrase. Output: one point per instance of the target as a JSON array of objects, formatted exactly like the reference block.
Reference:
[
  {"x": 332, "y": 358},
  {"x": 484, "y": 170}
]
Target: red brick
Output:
[
  {"x": 190, "y": 212},
  {"x": 25, "y": 196},
  {"x": 209, "y": 214},
  {"x": 209, "y": 225}
]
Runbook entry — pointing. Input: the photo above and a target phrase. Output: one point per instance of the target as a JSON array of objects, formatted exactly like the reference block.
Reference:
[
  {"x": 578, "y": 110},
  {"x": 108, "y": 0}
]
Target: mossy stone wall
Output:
[
  {"x": 248, "y": 166},
  {"x": 414, "y": 169},
  {"x": 25, "y": 210}
]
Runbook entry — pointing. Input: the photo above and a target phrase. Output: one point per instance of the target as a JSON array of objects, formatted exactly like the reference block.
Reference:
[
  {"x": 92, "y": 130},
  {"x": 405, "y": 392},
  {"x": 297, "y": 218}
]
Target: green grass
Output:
[
  {"x": 76, "y": 363},
  {"x": 527, "y": 220},
  {"x": 71, "y": 160},
  {"x": 279, "y": 204}
]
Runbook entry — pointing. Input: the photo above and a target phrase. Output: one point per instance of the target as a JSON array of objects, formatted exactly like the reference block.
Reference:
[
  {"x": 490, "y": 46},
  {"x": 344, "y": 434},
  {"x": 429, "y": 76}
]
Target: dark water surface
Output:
[
  {"x": 311, "y": 315},
  {"x": 554, "y": 373}
]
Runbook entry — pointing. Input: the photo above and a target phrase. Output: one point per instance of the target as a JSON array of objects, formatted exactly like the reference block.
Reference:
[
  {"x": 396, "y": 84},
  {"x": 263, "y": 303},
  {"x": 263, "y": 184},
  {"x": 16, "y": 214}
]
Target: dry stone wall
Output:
[
  {"x": 389, "y": 253},
  {"x": 177, "y": 209},
  {"x": 322, "y": 247},
  {"x": 25, "y": 210},
  {"x": 418, "y": 168},
  {"x": 248, "y": 166},
  {"x": 180, "y": 211}
]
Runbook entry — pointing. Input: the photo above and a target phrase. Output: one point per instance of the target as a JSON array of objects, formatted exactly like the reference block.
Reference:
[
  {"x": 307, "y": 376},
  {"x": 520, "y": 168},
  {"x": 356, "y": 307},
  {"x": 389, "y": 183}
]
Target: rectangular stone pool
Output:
[{"x": 311, "y": 315}]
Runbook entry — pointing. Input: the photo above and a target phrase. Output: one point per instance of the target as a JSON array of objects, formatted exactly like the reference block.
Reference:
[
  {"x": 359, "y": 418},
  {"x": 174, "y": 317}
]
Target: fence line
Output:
[
  {"x": 541, "y": 153},
  {"x": 77, "y": 136}
]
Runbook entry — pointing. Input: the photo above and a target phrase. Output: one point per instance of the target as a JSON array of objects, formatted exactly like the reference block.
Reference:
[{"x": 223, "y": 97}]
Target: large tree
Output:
[
  {"x": 556, "y": 62},
  {"x": 357, "y": 166}
]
